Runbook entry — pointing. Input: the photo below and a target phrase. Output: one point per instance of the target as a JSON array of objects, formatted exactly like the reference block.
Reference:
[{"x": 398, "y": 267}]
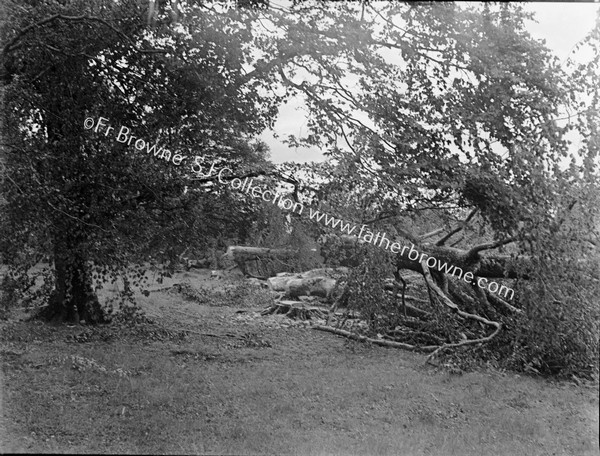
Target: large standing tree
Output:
[{"x": 93, "y": 204}]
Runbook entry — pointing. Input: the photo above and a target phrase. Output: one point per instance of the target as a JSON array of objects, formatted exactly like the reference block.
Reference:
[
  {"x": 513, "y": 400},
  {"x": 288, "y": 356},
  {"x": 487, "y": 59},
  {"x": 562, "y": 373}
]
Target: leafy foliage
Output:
[
  {"x": 96, "y": 206},
  {"x": 366, "y": 291}
]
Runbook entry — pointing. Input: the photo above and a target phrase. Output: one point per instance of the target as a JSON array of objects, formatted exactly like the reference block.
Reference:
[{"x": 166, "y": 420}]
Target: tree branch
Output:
[
  {"x": 459, "y": 228},
  {"x": 382, "y": 342},
  {"x": 269, "y": 66},
  {"x": 472, "y": 253},
  {"x": 448, "y": 302},
  {"x": 430, "y": 234},
  {"x": 12, "y": 44}
]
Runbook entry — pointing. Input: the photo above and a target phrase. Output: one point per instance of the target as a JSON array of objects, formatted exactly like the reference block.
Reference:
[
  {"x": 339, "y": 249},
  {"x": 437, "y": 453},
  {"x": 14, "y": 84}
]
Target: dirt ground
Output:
[{"x": 218, "y": 378}]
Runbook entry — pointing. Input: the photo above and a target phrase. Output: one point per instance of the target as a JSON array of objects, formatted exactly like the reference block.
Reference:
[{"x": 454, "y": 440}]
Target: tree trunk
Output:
[
  {"x": 489, "y": 266},
  {"x": 73, "y": 299},
  {"x": 316, "y": 282},
  {"x": 257, "y": 261}
]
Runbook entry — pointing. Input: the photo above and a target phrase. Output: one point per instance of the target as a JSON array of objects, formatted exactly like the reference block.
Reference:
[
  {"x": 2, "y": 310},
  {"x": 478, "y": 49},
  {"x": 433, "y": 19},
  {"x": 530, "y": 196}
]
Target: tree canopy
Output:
[{"x": 439, "y": 120}]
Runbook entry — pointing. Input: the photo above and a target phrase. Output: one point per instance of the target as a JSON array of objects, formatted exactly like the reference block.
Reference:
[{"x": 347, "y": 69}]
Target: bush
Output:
[
  {"x": 23, "y": 287},
  {"x": 557, "y": 336}
]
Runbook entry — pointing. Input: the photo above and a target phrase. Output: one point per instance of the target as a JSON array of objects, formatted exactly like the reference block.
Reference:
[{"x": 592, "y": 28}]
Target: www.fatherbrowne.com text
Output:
[
  {"x": 362, "y": 232},
  {"x": 124, "y": 135}
]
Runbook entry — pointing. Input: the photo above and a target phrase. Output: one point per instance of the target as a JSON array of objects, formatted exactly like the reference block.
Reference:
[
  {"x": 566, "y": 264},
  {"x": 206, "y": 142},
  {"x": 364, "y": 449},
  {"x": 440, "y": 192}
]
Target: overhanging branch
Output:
[{"x": 13, "y": 44}]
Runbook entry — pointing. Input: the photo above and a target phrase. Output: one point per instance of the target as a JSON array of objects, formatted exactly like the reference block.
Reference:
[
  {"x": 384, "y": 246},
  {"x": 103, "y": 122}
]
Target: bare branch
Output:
[
  {"x": 459, "y": 228},
  {"x": 472, "y": 253},
  {"x": 501, "y": 302},
  {"x": 448, "y": 302},
  {"x": 457, "y": 241},
  {"x": 269, "y": 66},
  {"x": 382, "y": 342},
  {"x": 430, "y": 234}
]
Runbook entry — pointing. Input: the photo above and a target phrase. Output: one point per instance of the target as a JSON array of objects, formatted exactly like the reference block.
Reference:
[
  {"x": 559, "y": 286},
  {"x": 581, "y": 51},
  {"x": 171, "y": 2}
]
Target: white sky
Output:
[{"x": 561, "y": 25}]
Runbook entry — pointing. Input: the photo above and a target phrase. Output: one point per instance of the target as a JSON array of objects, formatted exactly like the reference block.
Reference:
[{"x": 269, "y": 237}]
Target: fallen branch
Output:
[
  {"x": 316, "y": 282},
  {"x": 413, "y": 311},
  {"x": 464, "y": 342},
  {"x": 415, "y": 299},
  {"x": 459, "y": 228},
  {"x": 495, "y": 300},
  {"x": 448, "y": 302},
  {"x": 472, "y": 253},
  {"x": 430, "y": 234},
  {"x": 395, "y": 333},
  {"x": 382, "y": 342}
]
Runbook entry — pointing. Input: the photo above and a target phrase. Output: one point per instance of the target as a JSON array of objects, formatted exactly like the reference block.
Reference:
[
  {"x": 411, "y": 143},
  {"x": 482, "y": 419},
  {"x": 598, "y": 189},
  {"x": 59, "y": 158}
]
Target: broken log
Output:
[
  {"x": 316, "y": 282},
  {"x": 246, "y": 258},
  {"x": 382, "y": 342}
]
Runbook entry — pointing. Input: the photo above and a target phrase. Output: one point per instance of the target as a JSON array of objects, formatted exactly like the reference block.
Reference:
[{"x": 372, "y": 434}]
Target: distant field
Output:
[{"x": 220, "y": 379}]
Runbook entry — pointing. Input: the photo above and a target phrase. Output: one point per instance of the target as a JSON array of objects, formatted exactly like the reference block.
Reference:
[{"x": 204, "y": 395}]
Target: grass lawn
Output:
[{"x": 208, "y": 379}]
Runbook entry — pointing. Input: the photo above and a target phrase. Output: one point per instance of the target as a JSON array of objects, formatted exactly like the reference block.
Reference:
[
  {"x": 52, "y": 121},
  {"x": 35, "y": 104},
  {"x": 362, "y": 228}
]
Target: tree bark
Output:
[
  {"x": 316, "y": 282},
  {"x": 243, "y": 257},
  {"x": 490, "y": 266},
  {"x": 73, "y": 299}
]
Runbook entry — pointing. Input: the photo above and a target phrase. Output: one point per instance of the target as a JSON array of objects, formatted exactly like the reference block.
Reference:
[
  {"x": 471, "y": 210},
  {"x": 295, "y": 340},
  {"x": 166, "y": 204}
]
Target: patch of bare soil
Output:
[{"x": 205, "y": 372}]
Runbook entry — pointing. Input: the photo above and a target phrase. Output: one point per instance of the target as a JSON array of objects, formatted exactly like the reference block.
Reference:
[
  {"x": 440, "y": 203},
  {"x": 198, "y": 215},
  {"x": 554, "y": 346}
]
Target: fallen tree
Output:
[
  {"x": 316, "y": 282},
  {"x": 451, "y": 282},
  {"x": 242, "y": 256}
]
